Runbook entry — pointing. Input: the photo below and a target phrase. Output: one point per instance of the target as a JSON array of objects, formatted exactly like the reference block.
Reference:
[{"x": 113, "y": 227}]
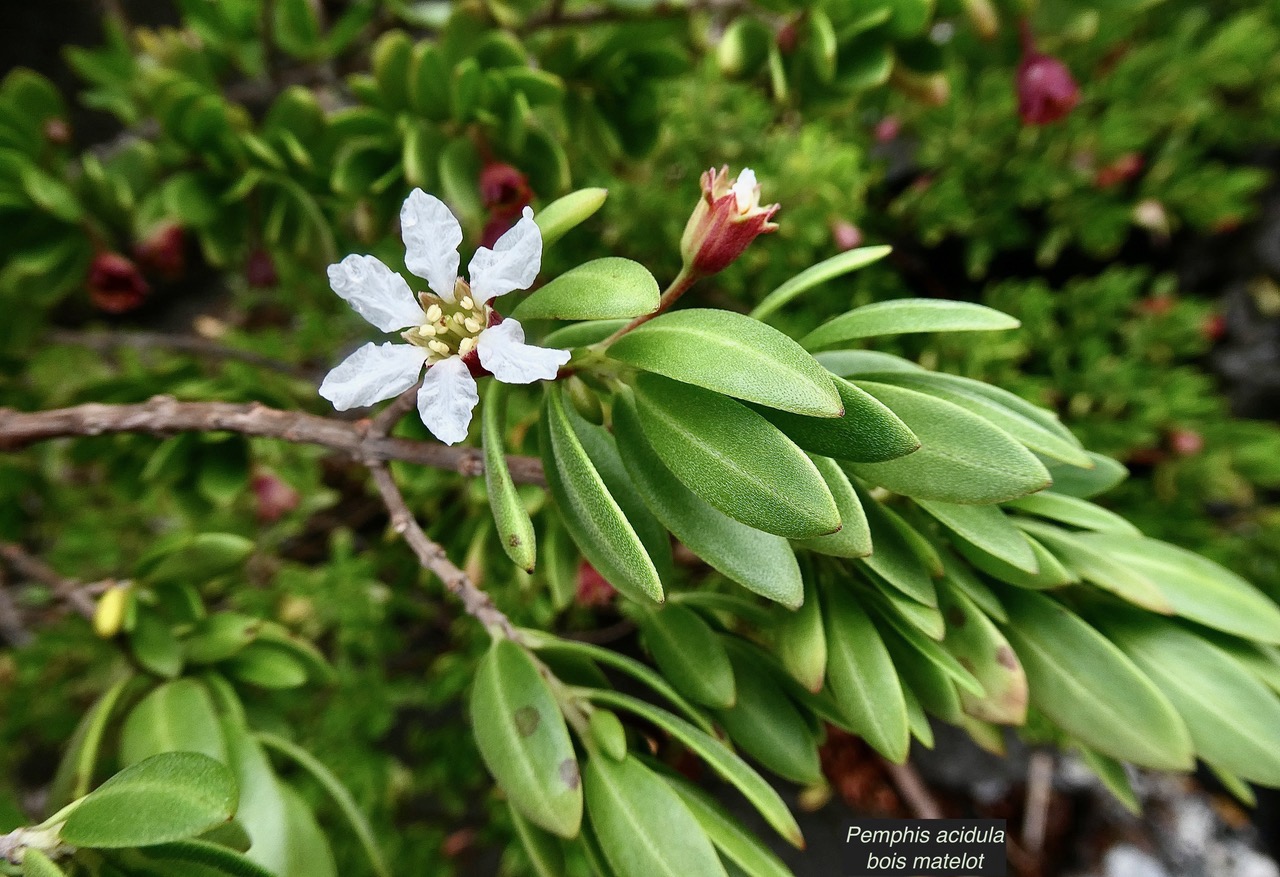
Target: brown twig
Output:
[
  {"x": 163, "y": 416},
  {"x": 12, "y": 629},
  {"x": 73, "y": 593},
  {"x": 432, "y": 557},
  {"x": 388, "y": 417},
  {"x": 913, "y": 790}
]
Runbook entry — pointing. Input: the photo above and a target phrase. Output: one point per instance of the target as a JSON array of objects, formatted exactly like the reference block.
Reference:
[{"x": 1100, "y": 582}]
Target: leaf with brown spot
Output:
[
  {"x": 523, "y": 739},
  {"x": 981, "y": 649}
]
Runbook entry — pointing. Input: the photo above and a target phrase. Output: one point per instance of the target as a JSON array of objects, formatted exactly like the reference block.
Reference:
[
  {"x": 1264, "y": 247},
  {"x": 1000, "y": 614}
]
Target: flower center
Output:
[{"x": 451, "y": 328}]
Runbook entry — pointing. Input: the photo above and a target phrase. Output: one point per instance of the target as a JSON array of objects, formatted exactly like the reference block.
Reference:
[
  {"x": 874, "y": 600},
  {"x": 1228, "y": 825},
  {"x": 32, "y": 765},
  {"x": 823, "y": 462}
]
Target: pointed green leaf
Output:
[
  {"x": 1195, "y": 587},
  {"x": 1114, "y": 777},
  {"x": 563, "y": 214},
  {"x": 801, "y": 643},
  {"x": 1089, "y": 688},
  {"x": 690, "y": 654},
  {"x": 760, "y": 562},
  {"x": 522, "y": 737},
  {"x": 734, "y": 842},
  {"x": 893, "y": 557},
  {"x": 168, "y": 797},
  {"x": 719, "y": 757},
  {"x": 1101, "y": 566},
  {"x": 515, "y": 529},
  {"x": 767, "y": 724},
  {"x": 867, "y": 432},
  {"x": 905, "y": 316},
  {"x": 1051, "y": 573},
  {"x": 862, "y": 678},
  {"x": 75, "y": 771},
  {"x": 979, "y": 646},
  {"x": 1086, "y": 482},
  {"x": 546, "y": 855},
  {"x": 198, "y": 858},
  {"x": 1074, "y": 511},
  {"x": 830, "y": 269},
  {"x": 36, "y": 864},
  {"x": 591, "y": 514},
  {"x": 731, "y": 354},
  {"x": 645, "y": 830},
  {"x": 601, "y": 289},
  {"x": 732, "y": 458},
  {"x": 1233, "y": 719},
  {"x": 962, "y": 457},
  {"x": 985, "y": 528}
]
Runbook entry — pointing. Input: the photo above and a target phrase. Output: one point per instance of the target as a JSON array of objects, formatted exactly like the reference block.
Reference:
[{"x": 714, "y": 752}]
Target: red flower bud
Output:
[
  {"x": 726, "y": 220},
  {"x": 1214, "y": 327},
  {"x": 593, "y": 590},
  {"x": 274, "y": 497},
  {"x": 1046, "y": 90},
  {"x": 888, "y": 129},
  {"x": 504, "y": 189},
  {"x": 1123, "y": 169},
  {"x": 163, "y": 252},
  {"x": 115, "y": 284},
  {"x": 260, "y": 269}
]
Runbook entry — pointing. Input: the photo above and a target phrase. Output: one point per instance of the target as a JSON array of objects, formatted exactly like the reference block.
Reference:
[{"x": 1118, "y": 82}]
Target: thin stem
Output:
[
  {"x": 670, "y": 296},
  {"x": 164, "y": 416},
  {"x": 432, "y": 556},
  {"x": 70, "y": 591}
]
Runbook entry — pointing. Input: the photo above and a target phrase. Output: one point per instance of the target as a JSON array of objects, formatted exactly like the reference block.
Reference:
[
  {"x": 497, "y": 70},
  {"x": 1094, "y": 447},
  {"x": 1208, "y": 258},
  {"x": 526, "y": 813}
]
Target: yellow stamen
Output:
[
  {"x": 467, "y": 304},
  {"x": 472, "y": 324},
  {"x": 466, "y": 346},
  {"x": 433, "y": 314},
  {"x": 428, "y": 331},
  {"x": 439, "y": 347}
]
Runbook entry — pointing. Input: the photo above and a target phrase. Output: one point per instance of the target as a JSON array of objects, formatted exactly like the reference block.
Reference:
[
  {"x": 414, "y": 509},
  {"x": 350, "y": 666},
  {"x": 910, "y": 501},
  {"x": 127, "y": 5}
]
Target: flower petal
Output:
[
  {"x": 513, "y": 263},
  {"x": 503, "y": 352},
  {"x": 373, "y": 373},
  {"x": 431, "y": 236},
  {"x": 376, "y": 293},
  {"x": 445, "y": 401}
]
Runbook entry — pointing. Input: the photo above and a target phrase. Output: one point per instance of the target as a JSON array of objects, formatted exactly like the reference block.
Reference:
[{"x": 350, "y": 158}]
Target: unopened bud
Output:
[
  {"x": 727, "y": 218},
  {"x": 108, "y": 616},
  {"x": 1046, "y": 90},
  {"x": 115, "y": 284},
  {"x": 888, "y": 129},
  {"x": 504, "y": 190},
  {"x": 846, "y": 235},
  {"x": 163, "y": 252},
  {"x": 1186, "y": 442},
  {"x": 274, "y": 497}
]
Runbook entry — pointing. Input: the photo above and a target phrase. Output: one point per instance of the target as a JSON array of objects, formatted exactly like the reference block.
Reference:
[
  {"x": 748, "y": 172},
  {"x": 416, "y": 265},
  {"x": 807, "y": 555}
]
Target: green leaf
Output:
[
  {"x": 592, "y": 516},
  {"x": 1113, "y": 776},
  {"x": 645, "y": 830},
  {"x": 1089, "y": 688},
  {"x": 522, "y": 737},
  {"x": 338, "y": 792},
  {"x": 515, "y": 529},
  {"x": 830, "y": 269},
  {"x": 719, "y": 757},
  {"x": 1074, "y": 511},
  {"x": 391, "y": 61},
  {"x": 546, "y": 856},
  {"x": 854, "y": 536},
  {"x": 267, "y": 665},
  {"x": 460, "y": 179},
  {"x": 1084, "y": 482},
  {"x": 962, "y": 457},
  {"x": 564, "y": 214},
  {"x": 197, "y": 558},
  {"x": 1051, "y": 573},
  {"x": 308, "y": 848},
  {"x": 608, "y": 733},
  {"x": 760, "y": 562},
  {"x": 36, "y": 864},
  {"x": 690, "y": 654},
  {"x": 863, "y": 681},
  {"x": 800, "y": 642},
  {"x": 907, "y": 315},
  {"x": 847, "y": 363},
  {"x": 177, "y": 716},
  {"x": 640, "y": 672},
  {"x": 219, "y": 637},
  {"x": 922, "y": 647},
  {"x": 295, "y": 27},
  {"x": 732, "y": 458},
  {"x": 582, "y": 334},
  {"x": 980, "y": 648},
  {"x": 894, "y": 558},
  {"x": 154, "y": 646},
  {"x": 75, "y": 771},
  {"x": 1101, "y": 566},
  {"x": 168, "y": 797},
  {"x": 601, "y": 289},
  {"x": 1195, "y": 587},
  {"x": 935, "y": 689},
  {"x": 199, "y": 858},
  {"x": 867, "y": 432},
  {"x": 734, "y": 842},
  {"x": 985, "y": 528},
  {"x": 1037, "y": 429},
  {"x": 1233, "y": 719},
  {"x": 731, "y": 354},
  {"x": 263, "y": 806},
  {"x": 766, "y": 723},
  {"x": 51, "y": 194}
]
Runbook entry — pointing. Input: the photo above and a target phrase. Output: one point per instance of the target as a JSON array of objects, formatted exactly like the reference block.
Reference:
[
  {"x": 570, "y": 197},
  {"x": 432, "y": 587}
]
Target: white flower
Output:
[{"x": 451, "y": 330}]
